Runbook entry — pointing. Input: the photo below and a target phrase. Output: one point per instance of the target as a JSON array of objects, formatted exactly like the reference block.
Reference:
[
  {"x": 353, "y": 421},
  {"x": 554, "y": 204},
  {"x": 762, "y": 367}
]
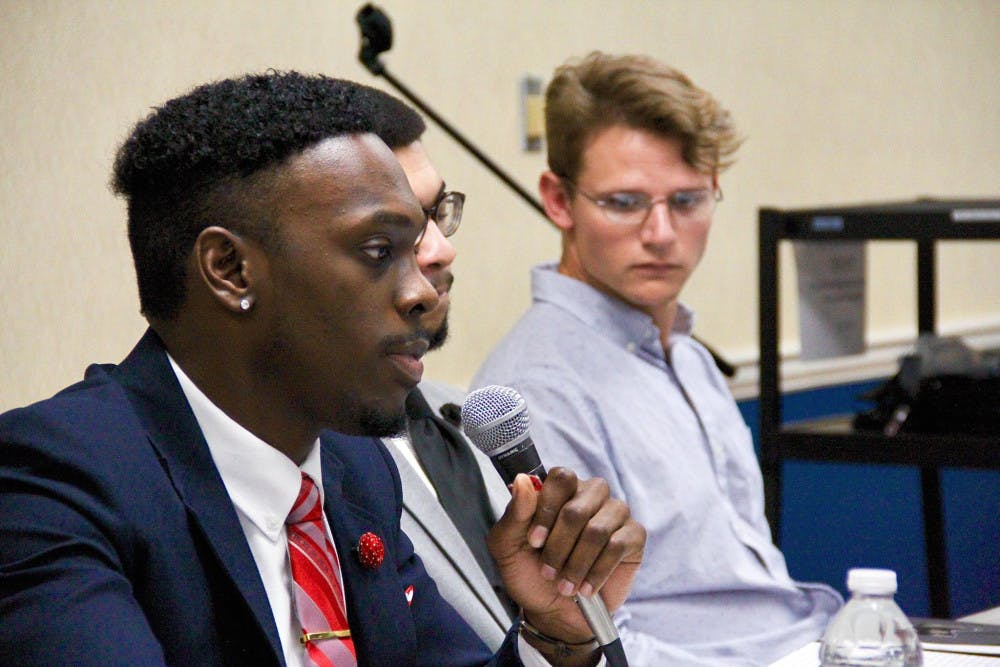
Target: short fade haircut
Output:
[
  {"x": 598, "y": 91},
  {"x": 394, "y": 121},
  {"x": 209, "y": 158}
]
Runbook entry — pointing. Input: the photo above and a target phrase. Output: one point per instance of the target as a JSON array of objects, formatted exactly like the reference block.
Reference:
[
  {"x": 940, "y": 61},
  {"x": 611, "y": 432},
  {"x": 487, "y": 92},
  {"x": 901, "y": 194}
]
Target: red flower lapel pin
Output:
[{"x": 370, "y": 550}]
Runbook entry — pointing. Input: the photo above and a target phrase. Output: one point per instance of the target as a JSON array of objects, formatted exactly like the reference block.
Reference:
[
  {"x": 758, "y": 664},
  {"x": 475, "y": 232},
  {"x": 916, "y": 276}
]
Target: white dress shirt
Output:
[{"x": 263, "y": 484}]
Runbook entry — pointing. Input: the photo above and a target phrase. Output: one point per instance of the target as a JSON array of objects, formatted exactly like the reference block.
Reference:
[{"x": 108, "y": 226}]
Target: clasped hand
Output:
[{"x": 568, "y": 537}]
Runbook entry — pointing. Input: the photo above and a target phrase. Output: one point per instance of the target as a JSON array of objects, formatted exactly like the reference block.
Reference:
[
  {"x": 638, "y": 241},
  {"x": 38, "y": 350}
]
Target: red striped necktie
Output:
[{"x": 317, "y": 591}]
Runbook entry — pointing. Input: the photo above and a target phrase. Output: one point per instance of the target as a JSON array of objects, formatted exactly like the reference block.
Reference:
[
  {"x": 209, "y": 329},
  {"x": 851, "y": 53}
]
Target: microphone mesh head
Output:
[{"x": 494, "y": 416}]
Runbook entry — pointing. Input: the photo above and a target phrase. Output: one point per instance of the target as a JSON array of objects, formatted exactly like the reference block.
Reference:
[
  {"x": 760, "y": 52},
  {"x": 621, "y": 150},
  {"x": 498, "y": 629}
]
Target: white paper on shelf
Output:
[{"x": 831, "y": 278}]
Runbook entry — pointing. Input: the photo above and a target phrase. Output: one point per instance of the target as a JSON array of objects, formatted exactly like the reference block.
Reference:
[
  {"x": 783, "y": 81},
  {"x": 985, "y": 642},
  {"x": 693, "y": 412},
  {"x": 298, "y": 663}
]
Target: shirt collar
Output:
[
  {"x": 624, "y": 324},
  {"x": 262, "y": 482}
]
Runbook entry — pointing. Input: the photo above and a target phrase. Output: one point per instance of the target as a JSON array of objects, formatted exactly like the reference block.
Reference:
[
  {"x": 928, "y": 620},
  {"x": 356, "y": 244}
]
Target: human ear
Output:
[
  {"x": 555, "y": 200},
  {"x": 227, "y": 267}
]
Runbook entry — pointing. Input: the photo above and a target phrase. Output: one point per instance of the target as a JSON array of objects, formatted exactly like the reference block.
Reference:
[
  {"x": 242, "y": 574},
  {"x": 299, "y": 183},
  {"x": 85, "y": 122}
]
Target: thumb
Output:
[
  {"x": 510, "y": 532},
  {"x": 523, "y": 501}
]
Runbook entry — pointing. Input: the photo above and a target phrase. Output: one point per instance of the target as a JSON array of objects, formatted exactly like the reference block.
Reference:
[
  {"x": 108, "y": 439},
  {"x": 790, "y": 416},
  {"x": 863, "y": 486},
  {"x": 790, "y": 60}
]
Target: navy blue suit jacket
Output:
[{"x": 120, "y": 546}]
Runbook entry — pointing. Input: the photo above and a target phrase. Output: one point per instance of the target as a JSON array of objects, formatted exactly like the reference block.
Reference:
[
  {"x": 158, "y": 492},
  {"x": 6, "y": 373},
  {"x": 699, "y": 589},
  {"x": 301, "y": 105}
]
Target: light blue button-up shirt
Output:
[{"x": 666, "y": 434}]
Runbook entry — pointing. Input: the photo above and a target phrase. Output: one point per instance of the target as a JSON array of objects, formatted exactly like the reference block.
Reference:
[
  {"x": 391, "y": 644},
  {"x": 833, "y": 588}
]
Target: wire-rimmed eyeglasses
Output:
[{"x": 632, "y": 208}]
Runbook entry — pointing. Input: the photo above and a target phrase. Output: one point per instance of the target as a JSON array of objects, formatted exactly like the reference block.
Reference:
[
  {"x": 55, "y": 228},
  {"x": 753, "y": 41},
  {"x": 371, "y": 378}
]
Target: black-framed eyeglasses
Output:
[
  {"x": 686, "y": 207},
  {"x": 446, "y": 212},
  {"x": 420, "y": 234}
]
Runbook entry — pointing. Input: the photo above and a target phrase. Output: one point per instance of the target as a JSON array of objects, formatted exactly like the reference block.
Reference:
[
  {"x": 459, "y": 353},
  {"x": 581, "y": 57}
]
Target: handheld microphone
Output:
[{"x": 495, "y": 419}]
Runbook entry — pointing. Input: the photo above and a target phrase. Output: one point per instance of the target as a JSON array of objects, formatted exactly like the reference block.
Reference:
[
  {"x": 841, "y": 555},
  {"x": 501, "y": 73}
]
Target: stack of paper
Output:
[{"x": 808, "y": 656}]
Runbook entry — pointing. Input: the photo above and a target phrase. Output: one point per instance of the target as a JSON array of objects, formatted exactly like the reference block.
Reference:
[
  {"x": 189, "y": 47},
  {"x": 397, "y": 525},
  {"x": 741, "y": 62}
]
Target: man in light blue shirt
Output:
[{"x": 617, "y": 387}]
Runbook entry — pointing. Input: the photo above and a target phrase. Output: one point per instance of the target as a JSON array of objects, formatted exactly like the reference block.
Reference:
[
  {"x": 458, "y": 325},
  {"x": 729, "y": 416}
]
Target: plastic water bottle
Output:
[{"x": 871, "y": 630}]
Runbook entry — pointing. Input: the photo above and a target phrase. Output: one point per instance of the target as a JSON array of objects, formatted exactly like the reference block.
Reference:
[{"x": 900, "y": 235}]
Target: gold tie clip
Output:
[{"x": 329, "y": 634}]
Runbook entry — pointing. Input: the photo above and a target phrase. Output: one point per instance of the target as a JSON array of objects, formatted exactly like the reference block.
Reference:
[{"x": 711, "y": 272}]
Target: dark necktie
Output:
[{"x": 452, "y": 469}]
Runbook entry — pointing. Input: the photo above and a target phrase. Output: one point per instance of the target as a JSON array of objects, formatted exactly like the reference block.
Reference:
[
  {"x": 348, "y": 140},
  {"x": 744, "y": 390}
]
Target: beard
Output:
[
  {"x": 380, "y": 422},
  {"x": 439, "y": 335},
  {"x": 352, "y": 415}
]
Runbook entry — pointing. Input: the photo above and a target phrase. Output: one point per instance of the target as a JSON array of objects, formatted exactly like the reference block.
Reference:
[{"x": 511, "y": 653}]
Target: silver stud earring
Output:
[{"x": 245, "y": 303}]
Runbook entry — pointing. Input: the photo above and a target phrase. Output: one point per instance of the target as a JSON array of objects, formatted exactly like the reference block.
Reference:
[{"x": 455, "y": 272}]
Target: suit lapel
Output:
[
  {"x": 419, "y": 502},
  {"x": 174, "y": 433},
  {"x": 424, "y": 509},
  {"x": 376, "y": 603}
]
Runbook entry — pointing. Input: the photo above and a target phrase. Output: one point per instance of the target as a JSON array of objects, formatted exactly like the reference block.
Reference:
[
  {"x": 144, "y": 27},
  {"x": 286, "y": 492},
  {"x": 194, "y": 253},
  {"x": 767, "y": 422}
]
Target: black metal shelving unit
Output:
[{"x": 925, "y": 222}]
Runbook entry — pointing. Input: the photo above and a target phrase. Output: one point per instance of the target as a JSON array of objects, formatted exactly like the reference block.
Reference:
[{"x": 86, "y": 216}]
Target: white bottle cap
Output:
[{"x": 874, "y": 582}]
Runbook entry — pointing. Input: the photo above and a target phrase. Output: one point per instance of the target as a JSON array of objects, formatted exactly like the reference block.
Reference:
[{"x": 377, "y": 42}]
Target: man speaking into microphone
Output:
[{"x": 189, "y": 506}]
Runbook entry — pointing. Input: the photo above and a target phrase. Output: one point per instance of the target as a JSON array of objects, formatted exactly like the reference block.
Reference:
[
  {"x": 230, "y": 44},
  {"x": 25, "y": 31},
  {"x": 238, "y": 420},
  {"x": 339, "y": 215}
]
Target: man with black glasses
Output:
[{"x": 451, "y": 493}]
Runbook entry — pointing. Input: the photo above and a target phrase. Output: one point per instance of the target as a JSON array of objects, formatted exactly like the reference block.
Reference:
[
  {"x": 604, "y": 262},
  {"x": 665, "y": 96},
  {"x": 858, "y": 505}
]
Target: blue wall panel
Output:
[
  {"x": 838, "y": 516},
  {"x": 972, "y": 532}
]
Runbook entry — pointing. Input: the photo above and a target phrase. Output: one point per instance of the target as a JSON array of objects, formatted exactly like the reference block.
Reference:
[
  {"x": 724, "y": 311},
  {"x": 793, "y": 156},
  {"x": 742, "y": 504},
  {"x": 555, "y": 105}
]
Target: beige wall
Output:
[{"x": 842, "y": 102}]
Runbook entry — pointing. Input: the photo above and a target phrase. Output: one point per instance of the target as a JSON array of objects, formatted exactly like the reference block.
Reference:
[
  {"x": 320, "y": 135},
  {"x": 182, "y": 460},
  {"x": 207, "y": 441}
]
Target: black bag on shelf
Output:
[{"x": 945, "y": 387}]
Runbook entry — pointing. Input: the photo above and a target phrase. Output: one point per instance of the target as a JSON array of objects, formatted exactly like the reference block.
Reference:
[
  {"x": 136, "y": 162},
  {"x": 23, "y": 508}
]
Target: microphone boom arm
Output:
[
  {"x": 376, "y": 37},
  {"x": 465, "y": 143}
]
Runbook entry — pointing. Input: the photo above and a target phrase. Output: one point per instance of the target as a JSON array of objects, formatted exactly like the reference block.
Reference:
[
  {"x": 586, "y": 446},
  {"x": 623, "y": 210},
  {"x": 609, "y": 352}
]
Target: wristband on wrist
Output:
[{"x": 559, "y": 648}]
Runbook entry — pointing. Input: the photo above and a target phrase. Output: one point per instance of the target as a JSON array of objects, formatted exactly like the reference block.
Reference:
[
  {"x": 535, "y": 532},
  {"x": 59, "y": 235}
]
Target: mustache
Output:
[
  {"x": 418, "y": 335},
  {"x": 440, "y": 279}
]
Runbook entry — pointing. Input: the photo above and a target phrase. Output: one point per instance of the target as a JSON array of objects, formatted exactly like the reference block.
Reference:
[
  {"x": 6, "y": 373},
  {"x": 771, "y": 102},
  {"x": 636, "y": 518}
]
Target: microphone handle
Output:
[{"x": 598, "y": 619}]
